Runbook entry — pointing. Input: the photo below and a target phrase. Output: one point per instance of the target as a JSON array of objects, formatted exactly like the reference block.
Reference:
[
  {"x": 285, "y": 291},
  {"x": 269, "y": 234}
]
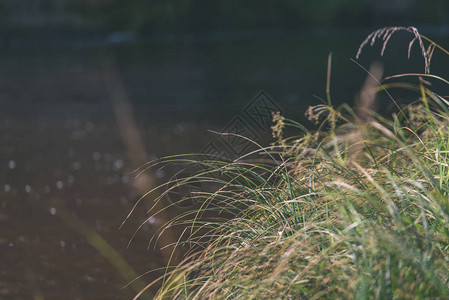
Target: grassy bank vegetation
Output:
[{"x": 358, "y": 209}]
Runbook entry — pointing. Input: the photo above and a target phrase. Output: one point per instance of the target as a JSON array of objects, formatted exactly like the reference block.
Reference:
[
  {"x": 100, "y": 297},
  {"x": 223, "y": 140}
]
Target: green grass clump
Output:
[{"x": 358, "y": 209}]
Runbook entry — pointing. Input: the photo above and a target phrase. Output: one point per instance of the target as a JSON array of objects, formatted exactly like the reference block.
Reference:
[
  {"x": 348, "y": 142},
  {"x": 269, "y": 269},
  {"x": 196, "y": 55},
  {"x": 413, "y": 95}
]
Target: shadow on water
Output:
[{"x": 61, "y": 147}]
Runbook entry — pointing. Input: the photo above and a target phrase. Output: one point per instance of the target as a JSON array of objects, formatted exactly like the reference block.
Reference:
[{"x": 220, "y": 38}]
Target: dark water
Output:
[{"x": 60, "y": 146}]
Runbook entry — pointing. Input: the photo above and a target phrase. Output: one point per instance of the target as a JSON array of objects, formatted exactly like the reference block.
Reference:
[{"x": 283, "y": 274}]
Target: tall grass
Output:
[{"x": 357, "y": 209}]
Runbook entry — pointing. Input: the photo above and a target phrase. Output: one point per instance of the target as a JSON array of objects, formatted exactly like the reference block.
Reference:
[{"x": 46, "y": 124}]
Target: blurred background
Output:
[{"x": 92, "y": 89}]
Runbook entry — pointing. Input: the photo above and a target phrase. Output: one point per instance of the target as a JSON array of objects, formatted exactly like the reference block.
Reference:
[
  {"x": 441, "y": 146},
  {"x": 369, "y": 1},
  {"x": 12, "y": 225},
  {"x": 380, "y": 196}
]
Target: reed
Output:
[{"x": 357, "y": 209}]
